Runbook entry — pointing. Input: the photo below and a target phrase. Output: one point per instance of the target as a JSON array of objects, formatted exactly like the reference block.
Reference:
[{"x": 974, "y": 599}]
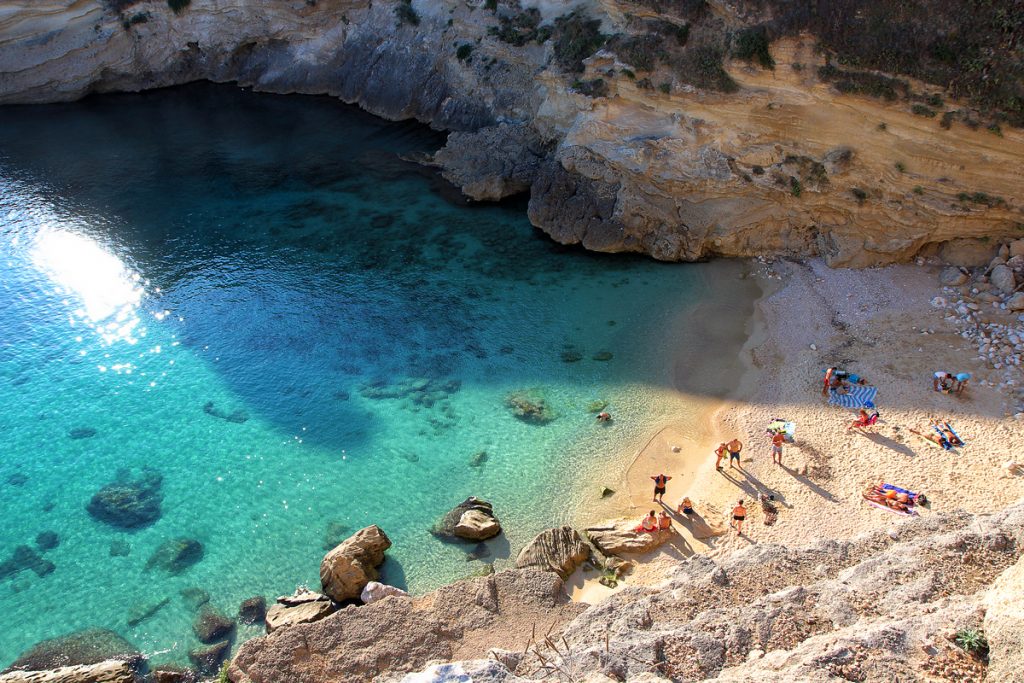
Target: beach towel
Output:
[
  {"x": 788, "y": 429},
  {"x": 858, "y": 396},
  {"x": 910, "y": 511}
]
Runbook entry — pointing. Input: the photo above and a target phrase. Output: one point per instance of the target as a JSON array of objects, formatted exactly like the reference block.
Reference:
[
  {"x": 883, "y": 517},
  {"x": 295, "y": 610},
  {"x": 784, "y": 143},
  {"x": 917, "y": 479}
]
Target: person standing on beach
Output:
[
  {"x": 777, "y": 440},
  {"x": 739, "y": 513},
  {"x": 659, "y": 487},
  {"x": 734, "y": 447},
  {"x": 719, "y": 454}
]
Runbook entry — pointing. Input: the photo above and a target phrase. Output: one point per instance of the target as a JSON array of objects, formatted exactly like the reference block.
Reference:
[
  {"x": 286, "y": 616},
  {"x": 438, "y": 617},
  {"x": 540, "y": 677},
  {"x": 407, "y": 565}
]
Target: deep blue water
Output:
[{"x": 255, "y": 298}]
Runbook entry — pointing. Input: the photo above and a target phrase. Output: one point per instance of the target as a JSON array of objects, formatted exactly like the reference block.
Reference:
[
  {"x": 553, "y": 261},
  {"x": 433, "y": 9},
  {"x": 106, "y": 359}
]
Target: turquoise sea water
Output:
[{"x": 255, "y": 298}]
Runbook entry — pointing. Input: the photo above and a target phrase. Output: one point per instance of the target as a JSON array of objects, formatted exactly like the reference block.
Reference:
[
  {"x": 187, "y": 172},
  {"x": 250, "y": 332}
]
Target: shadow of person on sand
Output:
[
  {"x": 889, "y": 443},
  {"x": 806, "y": 481},
  {"x": 749, "y": 484},
  {"x": 696, "y": 526}
]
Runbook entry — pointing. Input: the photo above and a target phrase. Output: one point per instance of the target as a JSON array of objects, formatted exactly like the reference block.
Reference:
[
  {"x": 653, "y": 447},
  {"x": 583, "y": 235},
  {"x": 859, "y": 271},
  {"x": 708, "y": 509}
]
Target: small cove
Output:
[{"x": 253, "y": 297}]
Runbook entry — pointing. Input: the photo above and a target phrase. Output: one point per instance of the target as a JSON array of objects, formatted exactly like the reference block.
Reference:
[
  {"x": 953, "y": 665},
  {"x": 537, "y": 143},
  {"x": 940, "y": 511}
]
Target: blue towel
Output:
[{"x": 858, "y": 396}]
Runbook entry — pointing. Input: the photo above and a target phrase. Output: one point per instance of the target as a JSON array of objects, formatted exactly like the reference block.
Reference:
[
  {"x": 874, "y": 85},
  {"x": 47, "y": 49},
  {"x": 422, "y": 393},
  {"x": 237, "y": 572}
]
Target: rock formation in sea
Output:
[
  {"x": 681, "y": 130},
  {"x": 128, "y": 503},
  {"x": 471, "y": 520},
  {"x": 346, "y": 570}
]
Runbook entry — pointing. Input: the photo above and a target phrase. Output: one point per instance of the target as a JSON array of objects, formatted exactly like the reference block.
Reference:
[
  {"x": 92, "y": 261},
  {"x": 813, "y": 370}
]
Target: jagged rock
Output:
[
  {"x": 211, "y": 626},
  {"x": 128, "y": 504},
  {"x": 91, "y": 646},
  {"x": 492, "y": 163},
  {"x": 113, "y": 671},
  {"x": 559, "y": 550},
  {"x": 621, "y": 538},
  {"x": 477, "y": 525},
  {"x": 397, "y": 636},
  {"x": 304, "y": 609},
  {"x": 175, "y": 555},
  {"x": 1016, "y": 248},
  {"x": 952, "y": 277},
  {"x": 347, "y": 569},
  {"x": 375, "y": 591},
  {"x": 47, "y": 540},
  {"x": 207, "y": 660},
  {"x": 1002, "y": 278},
  {"x": 253, "y": 610}
]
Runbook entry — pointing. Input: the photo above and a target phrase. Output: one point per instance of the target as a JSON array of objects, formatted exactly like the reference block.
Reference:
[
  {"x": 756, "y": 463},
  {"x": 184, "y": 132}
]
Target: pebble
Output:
[{"x": 814, "y": 347}]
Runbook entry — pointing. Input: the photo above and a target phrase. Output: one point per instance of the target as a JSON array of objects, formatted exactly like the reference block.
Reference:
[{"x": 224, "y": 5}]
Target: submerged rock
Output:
[
  {"x": 120, "y": 548},
  {"x": 207, "y": 659},
  {"x": 211, "y": 626},
  {"x": 17, "y": 479},
  {"x": 346, "y": 570},
  {"x": 252, "y": 610},
  {"x": 236, "y": 416},
  {"x": 529, "y": 406},
  {"x": 559, "y": 550},
  {"x": 128, "y": 504},
  {"x": 47, "y": 540},
  {"x": 473, "y": 519},
  {"x": 22, "y": 558},
  {"x": 194, "y": 597},
  {"x": 175, "y": 555},
  {"x": 336, "y": 533},
  {"x": 82, "y": 433},
  {"x": 571, "y": 356},
  {"x": 141, "y": 611},
  {"x": 602, "y": 355},
  {"x": 82, "y": 647},
  {"x": 478, "y": 459}
]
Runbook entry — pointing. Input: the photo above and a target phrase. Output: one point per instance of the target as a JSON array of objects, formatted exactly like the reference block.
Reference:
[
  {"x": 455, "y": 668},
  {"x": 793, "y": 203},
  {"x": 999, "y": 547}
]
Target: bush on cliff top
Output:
[
  {"x": 576, "y": 38},
  {"x": 177, "y": 6},
  {"x": 752, "y": 46}
]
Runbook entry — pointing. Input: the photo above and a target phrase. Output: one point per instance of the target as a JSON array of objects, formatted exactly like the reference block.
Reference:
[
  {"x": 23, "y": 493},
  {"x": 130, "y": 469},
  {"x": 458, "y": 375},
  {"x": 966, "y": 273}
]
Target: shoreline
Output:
[{"x": 878, "y": 323}]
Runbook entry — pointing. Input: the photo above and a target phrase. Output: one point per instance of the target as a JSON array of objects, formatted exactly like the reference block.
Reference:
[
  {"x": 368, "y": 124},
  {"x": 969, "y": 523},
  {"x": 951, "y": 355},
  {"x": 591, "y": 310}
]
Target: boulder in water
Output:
[
  {"x": 602, "y": 356},
  {"x": 47, "y": 540},
  {"x": 473, "y": 519},
  {"x": 236, "y": 416},
  {"x": 170, "y": 673},
  {"x": 529, "y": 406},
  {"x": 82, "y": 647},
  {"x": 478, "y": 459},
  {"x": 175, "y": 555},
  {"x": 559, "y": 550},
  {"x": 17, "y": 479},
  {"x": 253, "y": 610},
  {"x": 349, "y": 567},
  {"x": 211, "y": 626},
  {"x": 82, "y": 433},
  {"x": 25, "y": 557},
  {"x": 207, "y": 659},
  {"x": 120, "y": 548},
  {"x": 128, "y": 504}
]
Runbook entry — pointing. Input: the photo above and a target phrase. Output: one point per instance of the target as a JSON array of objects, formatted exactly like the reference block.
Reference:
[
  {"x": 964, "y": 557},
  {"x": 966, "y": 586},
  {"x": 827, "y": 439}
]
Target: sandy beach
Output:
[{"x": 878, "y": 323}]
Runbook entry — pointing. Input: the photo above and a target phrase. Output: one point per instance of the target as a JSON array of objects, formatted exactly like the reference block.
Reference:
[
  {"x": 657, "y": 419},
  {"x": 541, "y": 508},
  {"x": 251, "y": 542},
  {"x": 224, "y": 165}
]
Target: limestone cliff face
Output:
[{"x": 628, "y": 143}]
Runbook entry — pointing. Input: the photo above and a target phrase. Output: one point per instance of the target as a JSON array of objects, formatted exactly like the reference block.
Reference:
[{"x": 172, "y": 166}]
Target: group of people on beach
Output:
[
  {"x": 948, "y": 383},
  {"x": 662, "y": 521}
]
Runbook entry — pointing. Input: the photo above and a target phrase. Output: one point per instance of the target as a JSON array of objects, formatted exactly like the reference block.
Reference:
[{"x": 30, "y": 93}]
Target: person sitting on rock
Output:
[
  {"x": 685, "y": 507},
  {"x": 649, "y": 523},
  {"x": 664, "y": 521}
]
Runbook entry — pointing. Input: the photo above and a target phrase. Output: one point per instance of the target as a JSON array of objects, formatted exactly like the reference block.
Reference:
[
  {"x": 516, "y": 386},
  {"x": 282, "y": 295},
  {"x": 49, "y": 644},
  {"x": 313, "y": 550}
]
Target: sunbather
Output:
[
  {"x": 864, "y": 420},
  {"x": 938, "y": 440},
  {"x": 649, "y": 523}
]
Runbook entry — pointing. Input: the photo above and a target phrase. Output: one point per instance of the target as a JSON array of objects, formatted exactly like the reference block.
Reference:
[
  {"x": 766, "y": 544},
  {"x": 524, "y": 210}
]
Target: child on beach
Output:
[
  {"x": 719, "y": 454},
  {"x": 777, "y": 440}
]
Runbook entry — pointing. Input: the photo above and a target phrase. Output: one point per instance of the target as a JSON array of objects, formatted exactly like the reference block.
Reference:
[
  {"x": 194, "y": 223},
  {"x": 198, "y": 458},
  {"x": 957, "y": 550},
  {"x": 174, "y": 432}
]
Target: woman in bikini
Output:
[
  {"x": 685, "y": 507},
  {"x": 739, "y": 513}
]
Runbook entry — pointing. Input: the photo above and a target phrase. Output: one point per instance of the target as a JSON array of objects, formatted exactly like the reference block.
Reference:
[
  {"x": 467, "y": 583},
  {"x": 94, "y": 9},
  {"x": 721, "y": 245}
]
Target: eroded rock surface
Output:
[
  {"x": 621, "y": 537},
  {"x": 559, "y": 550},
  {"x": 346, "y": 570},
  {"x": 113, "y": 671}
]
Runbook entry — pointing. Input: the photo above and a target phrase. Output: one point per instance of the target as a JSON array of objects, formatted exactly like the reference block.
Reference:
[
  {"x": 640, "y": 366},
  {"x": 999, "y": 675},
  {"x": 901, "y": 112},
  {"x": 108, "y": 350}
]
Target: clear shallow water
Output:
[{"x": 175, "y": 258}]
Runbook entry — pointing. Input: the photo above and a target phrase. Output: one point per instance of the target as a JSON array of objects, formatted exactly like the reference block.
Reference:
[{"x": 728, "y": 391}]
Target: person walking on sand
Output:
[
  {"x": 739, "y": 513},
  {"x": 777, "y": 440},
  {"x": 719, "y": 454},
  {"x": 734, "y": 447},
  {"x": 659, "y": 487}
]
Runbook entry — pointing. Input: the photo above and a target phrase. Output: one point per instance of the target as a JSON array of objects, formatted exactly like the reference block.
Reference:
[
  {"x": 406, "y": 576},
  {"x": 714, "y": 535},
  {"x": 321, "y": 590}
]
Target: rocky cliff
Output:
[
  {"x": 864, "y": 132},
  {"x": 906, "y": 604}
]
